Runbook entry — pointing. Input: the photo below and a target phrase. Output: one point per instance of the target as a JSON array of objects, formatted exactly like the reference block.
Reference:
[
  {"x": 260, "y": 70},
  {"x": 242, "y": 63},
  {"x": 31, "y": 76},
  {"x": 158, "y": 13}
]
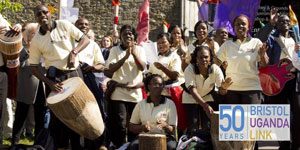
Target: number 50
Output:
[{"x": 231, "y": 117}]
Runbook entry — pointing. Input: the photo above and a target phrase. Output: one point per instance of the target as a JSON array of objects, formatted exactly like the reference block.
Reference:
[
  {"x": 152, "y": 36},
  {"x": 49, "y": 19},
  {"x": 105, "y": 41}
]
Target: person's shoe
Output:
[{"x": 102, "y": 148}]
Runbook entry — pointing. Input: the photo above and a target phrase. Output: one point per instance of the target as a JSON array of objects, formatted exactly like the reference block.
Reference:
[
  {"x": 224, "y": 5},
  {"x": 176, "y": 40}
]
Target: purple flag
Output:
[
  {"x": 227, "y": 10},
  {"x": 203, "y": 11}
]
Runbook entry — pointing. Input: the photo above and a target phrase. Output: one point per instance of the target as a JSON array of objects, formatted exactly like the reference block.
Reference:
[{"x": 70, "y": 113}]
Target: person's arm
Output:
[
  {"x": 193, "y": 91},
  {"x": 84, "y": 41},
  {"x": 53, "y": 86},
  {"x": 140, "y": 64},
  {"x": 113, "y": 67},
  {"x": 173, "y": 75},
  {"x": 138, "y": 128},
  {"x": 265, "y": 31},
  {"x": 264, "y": 59}
]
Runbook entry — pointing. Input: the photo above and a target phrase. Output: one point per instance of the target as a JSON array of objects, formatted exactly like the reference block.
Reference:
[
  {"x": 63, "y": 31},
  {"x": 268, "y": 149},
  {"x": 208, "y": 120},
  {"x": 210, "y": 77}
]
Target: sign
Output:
[{"x": 254, "y": 122}]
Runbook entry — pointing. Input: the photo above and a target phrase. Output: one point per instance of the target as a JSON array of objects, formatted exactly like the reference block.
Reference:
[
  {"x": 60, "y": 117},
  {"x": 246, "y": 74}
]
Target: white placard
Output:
[{"x": 70, "y": 14}]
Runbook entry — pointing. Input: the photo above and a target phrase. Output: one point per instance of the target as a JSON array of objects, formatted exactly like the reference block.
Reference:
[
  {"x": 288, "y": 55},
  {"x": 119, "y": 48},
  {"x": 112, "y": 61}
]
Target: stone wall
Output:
[{"x": 100, "y": 13}]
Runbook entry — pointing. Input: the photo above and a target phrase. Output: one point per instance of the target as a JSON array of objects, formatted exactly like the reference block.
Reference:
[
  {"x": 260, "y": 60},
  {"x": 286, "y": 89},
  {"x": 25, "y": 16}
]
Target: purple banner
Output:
[{"x": 227, "y": 10}]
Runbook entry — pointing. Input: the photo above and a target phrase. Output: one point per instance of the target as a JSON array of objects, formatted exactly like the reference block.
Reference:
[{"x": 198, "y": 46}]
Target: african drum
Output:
[
  {"x": 152, "y": 142},
  {"x": 226, "y": 145},
  {"x": 77, "y": 108},
  {"x": 10, "y": 47}
]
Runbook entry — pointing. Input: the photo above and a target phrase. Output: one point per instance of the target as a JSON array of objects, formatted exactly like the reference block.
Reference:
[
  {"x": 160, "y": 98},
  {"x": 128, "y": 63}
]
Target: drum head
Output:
[
  {"x": 13, "y": 39},
  {"x": 69, "y": 87}
]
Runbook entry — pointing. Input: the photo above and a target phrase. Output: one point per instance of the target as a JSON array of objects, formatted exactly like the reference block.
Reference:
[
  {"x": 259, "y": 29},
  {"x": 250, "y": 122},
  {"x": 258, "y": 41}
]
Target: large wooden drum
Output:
[
  {"x": 152, "y": 142},
  {"x": 226, "y": 145},
  {"x": 10, "y": 48},
  {"x": 77, "y": 108}
]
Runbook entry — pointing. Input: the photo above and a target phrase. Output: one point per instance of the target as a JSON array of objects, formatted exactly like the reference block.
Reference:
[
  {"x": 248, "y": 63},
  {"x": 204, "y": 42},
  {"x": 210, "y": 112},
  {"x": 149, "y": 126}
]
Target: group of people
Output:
[{"x": 175, "y": 94}]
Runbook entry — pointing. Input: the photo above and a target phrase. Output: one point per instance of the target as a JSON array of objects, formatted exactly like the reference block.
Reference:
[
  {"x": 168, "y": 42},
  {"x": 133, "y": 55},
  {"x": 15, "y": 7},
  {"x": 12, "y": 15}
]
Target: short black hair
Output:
[
  {"x": 194, "y": 57},
  {"x": 148, "y": 79},
  {"x": 126, "y": 26}
]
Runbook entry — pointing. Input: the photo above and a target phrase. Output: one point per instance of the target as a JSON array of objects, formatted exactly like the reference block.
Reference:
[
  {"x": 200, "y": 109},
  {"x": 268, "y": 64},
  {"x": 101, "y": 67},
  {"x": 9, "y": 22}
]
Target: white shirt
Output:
[
  {"x": 203, "y": 86},
  {"x": 242, "y": 61}
]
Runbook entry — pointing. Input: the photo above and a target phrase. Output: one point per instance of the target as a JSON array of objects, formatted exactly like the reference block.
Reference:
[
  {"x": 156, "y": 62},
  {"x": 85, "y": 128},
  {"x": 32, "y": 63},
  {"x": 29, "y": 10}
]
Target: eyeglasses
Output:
[{"x": 40, "y": 13}]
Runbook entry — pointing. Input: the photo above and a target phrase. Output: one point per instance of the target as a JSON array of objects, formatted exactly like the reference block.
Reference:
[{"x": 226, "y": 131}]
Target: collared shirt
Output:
[
  {"x": 191, "y": 49},
  {"x": 145, "y": 112},
  {"x": 127, "y": 73},
  {"x": 55, "y": 46},
  {"x": 91, "y": 54},
  {"x": 203, "y": 85},
  {"x": 242, "y": 58},
  {"x": 171, "y": 61}
]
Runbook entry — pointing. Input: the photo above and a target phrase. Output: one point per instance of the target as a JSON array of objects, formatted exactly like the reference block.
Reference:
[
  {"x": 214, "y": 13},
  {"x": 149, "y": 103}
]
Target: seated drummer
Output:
[
  {"x": 157, "y": 114},
  {"x": 54, "y": 43}
]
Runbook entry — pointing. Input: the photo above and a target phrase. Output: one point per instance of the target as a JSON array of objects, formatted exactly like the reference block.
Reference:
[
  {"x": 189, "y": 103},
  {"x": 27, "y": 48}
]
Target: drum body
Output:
[
  {"x": 152, "y": 142},
  {"x": 10, "y": 48},
  {"x": 77, "y": 108},
  {"x": 226, "y": 145}
]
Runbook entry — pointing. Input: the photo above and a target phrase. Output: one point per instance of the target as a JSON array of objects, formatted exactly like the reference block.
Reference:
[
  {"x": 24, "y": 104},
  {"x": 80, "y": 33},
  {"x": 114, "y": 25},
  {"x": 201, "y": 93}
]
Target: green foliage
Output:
[{"x": 7, "y": 5}]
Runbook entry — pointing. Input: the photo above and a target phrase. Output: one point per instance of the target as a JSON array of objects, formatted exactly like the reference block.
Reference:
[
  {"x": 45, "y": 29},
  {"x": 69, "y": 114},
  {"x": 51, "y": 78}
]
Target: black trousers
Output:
[
  {"x": 119, "y": 113},
  {"x": 21, "y": 114}
]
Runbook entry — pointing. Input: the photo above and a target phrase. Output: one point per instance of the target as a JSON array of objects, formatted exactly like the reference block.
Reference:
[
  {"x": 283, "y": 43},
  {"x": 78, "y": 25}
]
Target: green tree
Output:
[{"x": 6, "y": 6}]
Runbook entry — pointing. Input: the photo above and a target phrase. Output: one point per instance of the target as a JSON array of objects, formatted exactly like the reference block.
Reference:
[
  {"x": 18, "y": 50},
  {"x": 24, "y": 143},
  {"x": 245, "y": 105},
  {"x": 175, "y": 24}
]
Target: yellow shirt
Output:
[
  {"x": 191, "y": 49},
  {"x": 242, "y": 61},
  {"x": 172, "y": 62},
  {"x": 127, "y": 73},
  {"x": 203, "y": 86},
  {"x": 145, "y": 112},
  {"x": 55, "y": 46},
  {"x": 91, "y": 54}
]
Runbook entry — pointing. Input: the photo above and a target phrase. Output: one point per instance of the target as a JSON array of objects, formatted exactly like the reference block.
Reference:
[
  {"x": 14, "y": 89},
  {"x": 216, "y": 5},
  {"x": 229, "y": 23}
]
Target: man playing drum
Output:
[
  {"x": 54, "y": 42},
  {"x": 4, "y": 28}
]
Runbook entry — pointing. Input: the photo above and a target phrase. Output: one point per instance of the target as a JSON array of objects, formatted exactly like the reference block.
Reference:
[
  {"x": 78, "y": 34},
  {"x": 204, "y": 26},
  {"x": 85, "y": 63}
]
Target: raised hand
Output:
[
  {"x": 273, "y": 15},
  {"x": 225, "y": 84},
  {"x": 263, "y": 49}
]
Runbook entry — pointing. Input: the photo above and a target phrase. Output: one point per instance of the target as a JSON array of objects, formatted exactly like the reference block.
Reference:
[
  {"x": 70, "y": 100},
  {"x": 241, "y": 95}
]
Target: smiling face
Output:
[
  {"x": 163, "y": 45},
  {"x": 42, "y": 15},
  {"x": 106, "y": 42},
  {"x": 201, "y": 31},
  {"x": 203, "y": 58},
  {"x": 83, "y": 25},
  {"x": 241, "y": 26},
  {"x": 283, "y": 23},
  {"x": 127, "y": 37},
  {"x": 176, "y": 35}
]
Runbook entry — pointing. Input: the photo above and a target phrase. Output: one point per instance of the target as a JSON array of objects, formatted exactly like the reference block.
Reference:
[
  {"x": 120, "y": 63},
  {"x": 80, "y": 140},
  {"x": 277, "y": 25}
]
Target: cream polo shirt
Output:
[
  {"x": 242, "y": 61},
  {"x": 91, "y": 54},
  {"x": 203, "y": 86},
  {"x": 145, "y": 112},
  {"x": 289, "y": 45},
  {"x": 55, "y": 46},
  {"x": 172, "y": 62},
  {"x": 191, "y": 49},
  {"x": 127, "y": 73},
  {"x": 3, "y": 22}
]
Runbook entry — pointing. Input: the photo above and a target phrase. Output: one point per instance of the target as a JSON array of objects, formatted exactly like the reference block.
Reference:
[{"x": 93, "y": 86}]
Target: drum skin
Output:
[
  {"x": 77, "y": 108},
  {"x": 152, "y": 142},
  {"x": 10, "y": 47}
]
